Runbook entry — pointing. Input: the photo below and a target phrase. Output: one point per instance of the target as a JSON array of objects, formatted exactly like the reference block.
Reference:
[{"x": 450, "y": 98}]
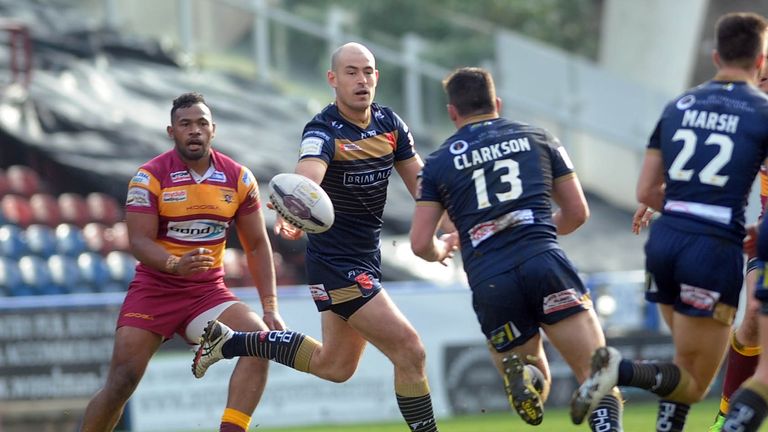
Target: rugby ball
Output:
[{"x": 301, "y": 202}]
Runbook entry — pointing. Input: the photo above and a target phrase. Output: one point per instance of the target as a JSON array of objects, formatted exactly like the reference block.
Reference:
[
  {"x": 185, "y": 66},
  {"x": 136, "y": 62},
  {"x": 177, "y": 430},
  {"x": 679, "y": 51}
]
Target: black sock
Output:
[
  {"x": 417, "y": 412},
  {"x": 746, "y": 411},
  {"x": 287, "y": 347},
  {"x": 671, "y": 417},
  {"x": 607, "y": 416},
  {"x": 657, "y": 377}
]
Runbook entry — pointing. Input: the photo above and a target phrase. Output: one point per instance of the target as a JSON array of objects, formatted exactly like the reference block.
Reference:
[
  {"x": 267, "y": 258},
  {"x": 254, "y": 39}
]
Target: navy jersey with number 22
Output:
[
  {"x": 494, "y": 177},
  {"x": 712, "y": 140}
]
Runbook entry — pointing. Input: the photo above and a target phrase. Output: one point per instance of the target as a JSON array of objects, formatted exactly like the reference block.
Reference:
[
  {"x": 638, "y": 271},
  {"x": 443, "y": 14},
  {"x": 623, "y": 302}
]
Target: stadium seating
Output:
[
  {"x": 122, "y": 267},
  {"x": 103, "y": 208},
  {"x": 235, "y": 270},
  {"x": 41, "y": 240},
  {"x": 74, "y": 209},
  {"x": 97, "y": 238},
  {"x": 13, "y": 242},
  {"x": 23, "y": 180},
  {"x": 16, "y": 210},
  {"x": 69, "y": 240},
  {"x": 11, "y": 283},
  {"x": 45, "y": 209},
  {"x": 66, "y": 275},
  {"x": 118, "y": 234},
  {"x": 36, "y": 275},
  {"x": 94, "y": 271},
  {"x": 4, "y": 186}
]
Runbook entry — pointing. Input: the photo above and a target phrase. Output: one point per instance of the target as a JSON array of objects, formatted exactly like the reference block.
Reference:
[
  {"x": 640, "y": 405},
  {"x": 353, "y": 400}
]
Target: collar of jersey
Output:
[{"x": 477, "y": 119}]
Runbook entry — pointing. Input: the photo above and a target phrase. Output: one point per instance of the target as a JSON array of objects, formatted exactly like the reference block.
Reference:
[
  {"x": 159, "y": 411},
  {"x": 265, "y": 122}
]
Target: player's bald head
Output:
[{"x": 349, "y": 51}]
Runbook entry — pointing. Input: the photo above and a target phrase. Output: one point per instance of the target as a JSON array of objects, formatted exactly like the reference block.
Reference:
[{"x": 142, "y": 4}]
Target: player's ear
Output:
[
  {"x": 331, "y": 77},
  {"x": 213, "y": 130},
  {"x": 169, "y": 131},
  {"x": 498, "y": 105},
  {"x": 453, "y": 114},
  {"x": 716, "y": 58}
]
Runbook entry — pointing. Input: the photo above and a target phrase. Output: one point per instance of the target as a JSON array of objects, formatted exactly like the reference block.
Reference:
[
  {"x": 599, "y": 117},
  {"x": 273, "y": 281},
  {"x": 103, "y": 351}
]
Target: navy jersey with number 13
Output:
[{"x": 494, "y": 177}]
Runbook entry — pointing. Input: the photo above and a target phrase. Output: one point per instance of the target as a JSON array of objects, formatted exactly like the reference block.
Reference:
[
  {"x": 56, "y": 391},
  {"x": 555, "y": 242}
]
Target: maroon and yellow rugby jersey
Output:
[{"x": 192, "y": 212}]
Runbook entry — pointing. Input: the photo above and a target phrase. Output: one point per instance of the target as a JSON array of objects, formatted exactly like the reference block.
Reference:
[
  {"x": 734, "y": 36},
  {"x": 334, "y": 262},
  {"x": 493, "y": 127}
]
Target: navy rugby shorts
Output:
[
  {"x": 543, "y": 289},
  {"x": 343, "y": 284}
]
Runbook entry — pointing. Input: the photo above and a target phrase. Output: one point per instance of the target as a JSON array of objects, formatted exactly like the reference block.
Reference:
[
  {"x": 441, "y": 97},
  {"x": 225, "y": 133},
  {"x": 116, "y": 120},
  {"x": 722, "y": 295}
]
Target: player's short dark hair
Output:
[
  {"x": 471, "y": 91},
  {"x": 186, "y": 100},
  {"x": 740, "y": 38}
]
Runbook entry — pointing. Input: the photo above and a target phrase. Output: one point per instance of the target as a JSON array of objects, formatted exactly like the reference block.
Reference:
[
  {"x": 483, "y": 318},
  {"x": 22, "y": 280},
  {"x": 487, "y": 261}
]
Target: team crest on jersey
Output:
[
  {"x": 218, "y": 177},
  {"x": 686, "y": 102},
  {"x": 180, "y": 176},
  {"x": 227, "y": 195},
  {"x": 458, "y": 147}
]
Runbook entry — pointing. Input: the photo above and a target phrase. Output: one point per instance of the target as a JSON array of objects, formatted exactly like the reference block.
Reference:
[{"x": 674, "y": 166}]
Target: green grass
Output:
[{"x": 638, "y": 417}]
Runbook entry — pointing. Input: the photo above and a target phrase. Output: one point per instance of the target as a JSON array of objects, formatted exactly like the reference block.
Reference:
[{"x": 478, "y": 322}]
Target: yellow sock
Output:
[{"x": 236, "y": 417}]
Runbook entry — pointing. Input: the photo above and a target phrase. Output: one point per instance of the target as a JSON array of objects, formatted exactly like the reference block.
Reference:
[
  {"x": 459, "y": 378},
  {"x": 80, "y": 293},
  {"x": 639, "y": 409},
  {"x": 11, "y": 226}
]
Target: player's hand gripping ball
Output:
[{"x": 301, "y": 202}]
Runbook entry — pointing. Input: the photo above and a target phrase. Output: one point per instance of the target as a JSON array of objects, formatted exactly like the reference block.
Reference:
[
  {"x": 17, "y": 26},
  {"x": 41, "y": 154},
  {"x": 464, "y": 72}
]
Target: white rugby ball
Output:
[{"x": 301, "y": 202}]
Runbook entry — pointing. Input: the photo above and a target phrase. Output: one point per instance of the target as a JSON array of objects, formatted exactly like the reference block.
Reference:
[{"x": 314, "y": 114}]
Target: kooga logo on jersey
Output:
[{"x": 197, "y": 230}]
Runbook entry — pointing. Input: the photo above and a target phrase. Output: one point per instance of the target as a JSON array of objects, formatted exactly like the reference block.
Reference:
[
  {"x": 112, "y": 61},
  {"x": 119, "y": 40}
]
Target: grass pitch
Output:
[{"x": 638, "y": 417}]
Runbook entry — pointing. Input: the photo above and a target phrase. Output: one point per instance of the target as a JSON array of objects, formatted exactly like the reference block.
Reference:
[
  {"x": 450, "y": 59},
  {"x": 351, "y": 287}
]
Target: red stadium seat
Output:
[
  {"x": 45, "y": 209},
  {"x": 16, "y": 210},
  {"x": 118, "y": 235},
  {"x": 234, "y": 273},
  {"x": 73, "y": 209},
  {"x": 23, "y": 180},
  {"x": 103, "y": 208},
  {"x": 98, "y": 238},
  {"x": 4, "y": 186}
]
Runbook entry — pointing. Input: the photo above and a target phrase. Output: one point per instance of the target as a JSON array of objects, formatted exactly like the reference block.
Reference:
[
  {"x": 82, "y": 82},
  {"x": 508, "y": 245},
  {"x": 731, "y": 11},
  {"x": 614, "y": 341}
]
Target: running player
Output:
[
  {"x": 349, "y": 149},
  {"x": 701, "y": 161},
  {"x": 179, "y": 207},
  {"x": 496, "y": 177}
]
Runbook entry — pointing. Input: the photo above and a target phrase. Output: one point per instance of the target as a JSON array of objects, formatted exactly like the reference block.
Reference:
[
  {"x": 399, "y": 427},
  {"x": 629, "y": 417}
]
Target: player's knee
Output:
[
  {"x": 341, "y": 373},
  {"x": 411, "y": 353},
  {"x": 122, "y": 382}
]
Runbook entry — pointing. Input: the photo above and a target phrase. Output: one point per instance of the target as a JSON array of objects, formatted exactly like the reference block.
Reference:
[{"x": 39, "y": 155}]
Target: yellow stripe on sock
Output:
[
  {"x": 723, "y": 405},
  {"x": 236, "y": 417},
  {"x": 757, "y": 387},
  {"x": 304, "y": 354},
  {"x": 746, "y": 351},
  {"x": 416, "y": 389},
  {"x": 680, "y": 389}
]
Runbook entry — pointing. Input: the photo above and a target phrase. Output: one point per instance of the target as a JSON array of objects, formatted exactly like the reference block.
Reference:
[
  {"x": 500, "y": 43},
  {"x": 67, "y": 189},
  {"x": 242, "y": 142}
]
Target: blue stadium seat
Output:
[
  {"x": 37, "y": 276},
  {"x": 94, "y": 270},
  {"x": 13, "y": 242},
  {"x": 69, "y": 240},
  {"x": 122, "y": 267},
  {"x": 11, "y": 283},
  {"x": 66, "y": 274},
  {"x": 41, "y": 240}
]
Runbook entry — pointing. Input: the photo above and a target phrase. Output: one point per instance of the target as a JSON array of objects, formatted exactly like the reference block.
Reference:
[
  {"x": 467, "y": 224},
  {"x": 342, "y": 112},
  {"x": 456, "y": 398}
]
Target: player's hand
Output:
[
  {"x": 283, "y": 228},
  {"x": 642, "y": 218},
  {"x": 447, "y": 244},
  {"x": 750, "y": 241},
  {"x": 195, "y": 261},
  {"x": 273, "y": 320}
]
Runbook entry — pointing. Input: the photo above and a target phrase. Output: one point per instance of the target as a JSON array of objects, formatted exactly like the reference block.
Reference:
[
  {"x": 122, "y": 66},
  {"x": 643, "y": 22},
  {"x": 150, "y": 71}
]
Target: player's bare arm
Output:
[
  {"x": 142, "y": 232},
  {"x": 650, "y": 184},
  {"x": 252, "y": 232},
  {"x": 573, "y": 208},
  {"x": 424, "y": 243}
]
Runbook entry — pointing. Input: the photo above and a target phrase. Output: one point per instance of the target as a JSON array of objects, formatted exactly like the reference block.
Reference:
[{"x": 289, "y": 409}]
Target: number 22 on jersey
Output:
[{"x": 709, "y": 173}]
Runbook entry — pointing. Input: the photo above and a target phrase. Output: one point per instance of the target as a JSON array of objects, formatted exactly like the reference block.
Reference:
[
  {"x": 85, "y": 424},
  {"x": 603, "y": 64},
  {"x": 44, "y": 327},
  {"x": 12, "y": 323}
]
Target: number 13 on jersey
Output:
[{"x": 510, "y": 177}]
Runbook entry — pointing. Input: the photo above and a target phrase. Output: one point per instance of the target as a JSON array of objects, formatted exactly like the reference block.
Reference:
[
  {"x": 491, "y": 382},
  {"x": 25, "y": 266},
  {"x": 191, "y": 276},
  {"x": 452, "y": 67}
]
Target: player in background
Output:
[
  {"x": 178, "y": 209},
  {"x": 745, "y": 349},
  {"x": 701, "y": 162},
  {"x": 349, "y": 149},
  {"x": 496, "y": 179}
]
